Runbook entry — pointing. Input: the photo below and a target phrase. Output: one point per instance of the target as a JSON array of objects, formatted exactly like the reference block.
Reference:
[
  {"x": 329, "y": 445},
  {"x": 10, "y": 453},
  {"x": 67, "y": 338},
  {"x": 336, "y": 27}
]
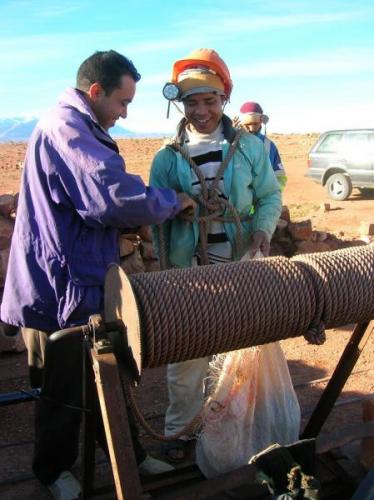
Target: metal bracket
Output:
[
  {"x": 112, "y": 338},
  {"x": 101, "y": 343}
]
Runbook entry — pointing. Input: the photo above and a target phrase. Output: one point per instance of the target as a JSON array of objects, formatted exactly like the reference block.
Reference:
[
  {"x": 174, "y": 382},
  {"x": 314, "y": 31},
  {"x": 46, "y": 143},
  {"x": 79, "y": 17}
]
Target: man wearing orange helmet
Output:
[{"x": 229, "y": 173}]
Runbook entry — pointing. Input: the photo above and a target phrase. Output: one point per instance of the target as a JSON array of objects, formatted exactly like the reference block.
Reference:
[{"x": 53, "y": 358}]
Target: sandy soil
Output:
[{"x": 308, "y": 364}]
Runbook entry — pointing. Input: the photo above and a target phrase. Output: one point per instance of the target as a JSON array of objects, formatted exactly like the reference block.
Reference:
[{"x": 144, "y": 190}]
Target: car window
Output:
[
  {"x": 330, "y": 144},
  {"x": 371, "y": 144},
  {"x": 359, "y": 143}
]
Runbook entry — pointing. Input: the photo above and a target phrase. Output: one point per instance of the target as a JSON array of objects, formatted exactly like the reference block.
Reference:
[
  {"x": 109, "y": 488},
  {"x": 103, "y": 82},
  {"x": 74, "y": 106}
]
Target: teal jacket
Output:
[{"x": 250, "y": 185}]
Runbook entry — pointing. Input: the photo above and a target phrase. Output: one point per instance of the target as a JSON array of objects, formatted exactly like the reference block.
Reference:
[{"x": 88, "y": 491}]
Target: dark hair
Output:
[{"x": 106, "y": 68}]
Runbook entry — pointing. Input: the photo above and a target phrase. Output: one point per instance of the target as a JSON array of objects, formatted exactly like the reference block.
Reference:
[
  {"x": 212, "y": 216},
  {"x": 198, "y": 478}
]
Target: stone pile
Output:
[
  {"x": 290, "y": 238},
  {"x": 293, "y": 238},
  {"x": 8, "y": 207},
  {"x": 10, "y": 336}
]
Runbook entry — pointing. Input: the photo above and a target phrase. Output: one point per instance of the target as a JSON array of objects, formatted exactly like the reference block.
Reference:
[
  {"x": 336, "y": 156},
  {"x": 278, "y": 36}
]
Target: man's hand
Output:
[
  {"x": 260, "y": 241},
  {"x": 188, "y": 205},
  {"x": 236, "y": 122}
]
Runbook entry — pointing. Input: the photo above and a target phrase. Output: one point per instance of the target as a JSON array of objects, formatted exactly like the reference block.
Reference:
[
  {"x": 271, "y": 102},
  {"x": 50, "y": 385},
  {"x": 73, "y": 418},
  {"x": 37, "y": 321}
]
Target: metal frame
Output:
[{"x": 116, "y": 425}]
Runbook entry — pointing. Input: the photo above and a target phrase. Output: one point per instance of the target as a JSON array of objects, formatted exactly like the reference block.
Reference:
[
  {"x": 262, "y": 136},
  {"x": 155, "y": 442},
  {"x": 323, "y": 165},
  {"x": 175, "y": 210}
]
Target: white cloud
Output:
[
  {"x": 155, "y": 79},
  {"x": 325, "y": 63},
  {"x": 151, "y": 122},
  {"x": 207, "y": 22},
  {"x": 22, "y": 52},
  {"x": 39, "y": 9},
  {"x": 316, "y": 118},
  {"x": 157, "y": 45},
  {"x": 37, "y": 66}
]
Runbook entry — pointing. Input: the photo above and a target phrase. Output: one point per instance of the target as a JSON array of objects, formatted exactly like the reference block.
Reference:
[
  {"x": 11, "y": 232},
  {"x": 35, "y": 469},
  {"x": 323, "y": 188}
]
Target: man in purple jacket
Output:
[{"x": 76, "y": 197}]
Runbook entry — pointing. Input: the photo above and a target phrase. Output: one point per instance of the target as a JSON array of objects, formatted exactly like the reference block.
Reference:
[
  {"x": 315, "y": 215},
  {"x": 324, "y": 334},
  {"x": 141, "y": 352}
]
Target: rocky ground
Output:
[{"x": 310, "y": 366}]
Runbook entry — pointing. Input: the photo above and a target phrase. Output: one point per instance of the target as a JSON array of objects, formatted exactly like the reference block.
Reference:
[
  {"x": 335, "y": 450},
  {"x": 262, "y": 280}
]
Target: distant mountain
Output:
[
  {"x": 16, "y": 129},
  {"x": 20, "y": 129}
]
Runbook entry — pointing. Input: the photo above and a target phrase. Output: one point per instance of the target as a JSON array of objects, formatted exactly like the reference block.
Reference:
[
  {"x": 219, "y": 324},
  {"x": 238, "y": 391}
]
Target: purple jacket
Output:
[{"x": 75, "y": 198}]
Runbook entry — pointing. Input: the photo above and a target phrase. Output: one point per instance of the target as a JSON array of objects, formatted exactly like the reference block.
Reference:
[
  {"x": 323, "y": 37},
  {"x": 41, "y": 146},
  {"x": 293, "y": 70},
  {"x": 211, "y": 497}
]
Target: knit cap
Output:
[{"x": 250, "y": 109}]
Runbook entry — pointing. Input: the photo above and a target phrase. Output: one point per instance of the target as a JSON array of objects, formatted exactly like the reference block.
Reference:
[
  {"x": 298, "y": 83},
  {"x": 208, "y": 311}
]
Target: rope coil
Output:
[{"x": 195, "y": 312}]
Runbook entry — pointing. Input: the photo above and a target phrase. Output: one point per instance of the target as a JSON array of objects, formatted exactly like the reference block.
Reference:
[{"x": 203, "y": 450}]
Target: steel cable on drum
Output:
[{"x": 190, "y": 296}]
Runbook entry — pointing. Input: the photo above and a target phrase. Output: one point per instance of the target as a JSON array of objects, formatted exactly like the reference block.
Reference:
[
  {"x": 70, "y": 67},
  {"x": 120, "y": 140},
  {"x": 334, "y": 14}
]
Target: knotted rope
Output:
[{"x": 211, "y": 204}]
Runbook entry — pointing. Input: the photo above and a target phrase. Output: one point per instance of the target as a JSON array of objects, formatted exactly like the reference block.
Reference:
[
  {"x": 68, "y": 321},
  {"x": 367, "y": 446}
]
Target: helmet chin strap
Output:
[
  {"x": 176, "y": 106},
  {"x": 224, "y": 102}
]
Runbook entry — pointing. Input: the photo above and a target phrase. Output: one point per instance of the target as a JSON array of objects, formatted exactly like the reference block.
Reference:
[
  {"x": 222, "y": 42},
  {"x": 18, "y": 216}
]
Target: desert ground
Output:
[{"x": 310, "y": 366}]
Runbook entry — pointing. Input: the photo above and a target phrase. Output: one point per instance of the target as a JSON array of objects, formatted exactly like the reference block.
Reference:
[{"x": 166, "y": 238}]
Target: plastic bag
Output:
[{"x": 252, "y": 405}]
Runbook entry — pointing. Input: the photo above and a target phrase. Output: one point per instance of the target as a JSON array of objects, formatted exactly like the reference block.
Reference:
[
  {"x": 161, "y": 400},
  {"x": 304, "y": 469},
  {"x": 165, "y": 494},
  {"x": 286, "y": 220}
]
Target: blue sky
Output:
[{"x": 310, "y": 64}]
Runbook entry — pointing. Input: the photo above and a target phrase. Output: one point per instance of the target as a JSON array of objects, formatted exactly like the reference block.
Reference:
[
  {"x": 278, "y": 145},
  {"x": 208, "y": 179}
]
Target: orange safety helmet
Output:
[{"x": 205, "y": 57}]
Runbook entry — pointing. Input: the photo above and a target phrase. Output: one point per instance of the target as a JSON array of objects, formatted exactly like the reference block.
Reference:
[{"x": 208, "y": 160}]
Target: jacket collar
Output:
[{"x": 76, "y": 99}]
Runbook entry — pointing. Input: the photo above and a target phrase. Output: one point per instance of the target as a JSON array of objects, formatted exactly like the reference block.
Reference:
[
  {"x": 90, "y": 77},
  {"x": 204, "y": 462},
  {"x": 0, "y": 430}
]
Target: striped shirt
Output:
[{"x": 206, "y": 152}]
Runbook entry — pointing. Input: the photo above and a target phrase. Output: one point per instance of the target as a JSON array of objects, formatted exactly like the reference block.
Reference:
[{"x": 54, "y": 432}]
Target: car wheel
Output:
[{"x": 339, "y": 186}]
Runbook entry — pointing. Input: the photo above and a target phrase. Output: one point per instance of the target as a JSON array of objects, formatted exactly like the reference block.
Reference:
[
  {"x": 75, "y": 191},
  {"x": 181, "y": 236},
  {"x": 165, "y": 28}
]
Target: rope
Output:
[
  {"x": 343, "y": 282},
  {"x": 190, "y": 313},
  {"x": 177, "y": 308},
  {"x": 212, "y": 206},
  {"x": 188, "y": 429},
  {"x": 200, "y": 311}
]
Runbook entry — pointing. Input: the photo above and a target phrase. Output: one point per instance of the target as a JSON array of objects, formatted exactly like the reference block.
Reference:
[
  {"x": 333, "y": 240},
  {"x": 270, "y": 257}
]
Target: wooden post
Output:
[
  {"x": 88, "y": 422},
  {"x": 116, "y": 424}
]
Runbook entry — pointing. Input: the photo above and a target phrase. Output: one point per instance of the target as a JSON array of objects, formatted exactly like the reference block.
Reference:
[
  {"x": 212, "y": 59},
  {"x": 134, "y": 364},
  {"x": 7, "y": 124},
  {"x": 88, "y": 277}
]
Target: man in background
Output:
[{"x": 252, "y": 118}]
